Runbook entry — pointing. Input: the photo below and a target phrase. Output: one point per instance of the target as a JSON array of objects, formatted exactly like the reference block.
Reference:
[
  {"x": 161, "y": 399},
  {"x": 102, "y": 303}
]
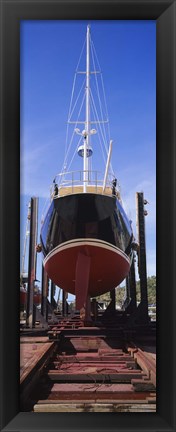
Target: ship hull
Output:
[
  {"x": 93, "y": 227},
  {"x": 108, "y": 265}
]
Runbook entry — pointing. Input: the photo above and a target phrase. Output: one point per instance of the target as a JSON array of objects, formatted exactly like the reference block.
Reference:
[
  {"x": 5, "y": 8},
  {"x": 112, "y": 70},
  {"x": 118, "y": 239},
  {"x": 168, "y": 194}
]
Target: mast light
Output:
[{"x": 89, "y": 151}]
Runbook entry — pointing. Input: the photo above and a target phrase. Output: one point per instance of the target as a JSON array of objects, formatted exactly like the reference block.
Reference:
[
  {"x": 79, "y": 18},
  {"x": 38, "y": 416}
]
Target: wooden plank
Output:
[
  {"x": 141, "y": 385},
  {"x": 85, "y": 389},
  {"x": 35, "y": 358},
  {"x": 147, "y": 364},
  {"x": 152, "y": 399},
  {"x": 92, "y": 377},
  {"x": 104, "y": 407},
  {"x": 91, "y": 361},
  {"x": 33, "y": 339}
]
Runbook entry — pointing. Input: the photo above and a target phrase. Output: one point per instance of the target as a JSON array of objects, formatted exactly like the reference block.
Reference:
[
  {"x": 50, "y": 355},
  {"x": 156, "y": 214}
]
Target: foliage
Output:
[
  {"x": 121, "y": 292},
  {"x": 151, "y": 289}
]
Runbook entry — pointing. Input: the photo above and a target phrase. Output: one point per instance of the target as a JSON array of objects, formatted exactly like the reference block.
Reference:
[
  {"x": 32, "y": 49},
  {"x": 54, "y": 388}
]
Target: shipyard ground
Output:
[
  {"x": 72, "y": 368},
  {"x": 93, "y": 360}
]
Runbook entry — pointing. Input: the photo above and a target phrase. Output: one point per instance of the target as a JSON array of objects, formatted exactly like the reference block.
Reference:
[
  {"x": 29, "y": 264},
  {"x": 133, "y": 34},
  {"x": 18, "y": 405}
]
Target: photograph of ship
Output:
[{"x": 88, "y": 156}]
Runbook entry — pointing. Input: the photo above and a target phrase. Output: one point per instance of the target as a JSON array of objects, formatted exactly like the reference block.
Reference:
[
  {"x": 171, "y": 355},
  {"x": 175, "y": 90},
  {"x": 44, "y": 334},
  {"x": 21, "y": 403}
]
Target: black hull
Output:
[
  {"x": 86, "y": 240},
  {"x": 80, "y": 216}
]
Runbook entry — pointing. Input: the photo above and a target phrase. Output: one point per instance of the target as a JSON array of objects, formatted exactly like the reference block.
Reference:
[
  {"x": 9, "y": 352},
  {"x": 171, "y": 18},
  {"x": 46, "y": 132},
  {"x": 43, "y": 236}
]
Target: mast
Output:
[
  {"x": 85, "y": 150},
  {"x": 87, "y": 122}
]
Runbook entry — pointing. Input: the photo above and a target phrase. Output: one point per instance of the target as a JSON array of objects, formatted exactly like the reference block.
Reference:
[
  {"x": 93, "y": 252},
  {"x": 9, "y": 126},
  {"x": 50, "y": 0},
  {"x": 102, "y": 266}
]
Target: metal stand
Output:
[
  {"x": 88, "y": 318},
  {"x": 32, "y": 262},
  {"x": 53, "y": 288},
  {"x": 64, "y": 303},
  {"x": 131, "y": 291},
  {"x": 113, "y": 299},
  {"x": 44, "y": 309},
  {"x": 139, "y": 315},
  {"x": 142, "y": 256},
  {"x": 132, "y": 283},
  {"x": 126, "y": 303}
]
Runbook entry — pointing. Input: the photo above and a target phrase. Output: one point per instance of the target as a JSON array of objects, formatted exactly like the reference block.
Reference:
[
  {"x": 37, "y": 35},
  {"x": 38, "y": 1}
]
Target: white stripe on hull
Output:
[{"x": 86, "y": 242}]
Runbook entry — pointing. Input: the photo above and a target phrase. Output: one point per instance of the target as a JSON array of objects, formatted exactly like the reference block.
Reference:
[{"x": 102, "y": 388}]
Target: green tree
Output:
[{"x": 121, "y": 292}]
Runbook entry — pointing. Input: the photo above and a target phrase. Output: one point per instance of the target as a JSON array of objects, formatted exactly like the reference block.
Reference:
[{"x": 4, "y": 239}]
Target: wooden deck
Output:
[{"x": 63, "y": 191}]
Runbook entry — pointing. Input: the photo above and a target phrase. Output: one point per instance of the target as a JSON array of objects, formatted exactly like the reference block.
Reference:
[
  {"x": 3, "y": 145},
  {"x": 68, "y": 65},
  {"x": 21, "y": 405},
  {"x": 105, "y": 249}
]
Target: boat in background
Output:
[
  {"x": 86, "y": 236},
  {"x": 24, "y": 275},
  {"x": 23, "y": 296}
]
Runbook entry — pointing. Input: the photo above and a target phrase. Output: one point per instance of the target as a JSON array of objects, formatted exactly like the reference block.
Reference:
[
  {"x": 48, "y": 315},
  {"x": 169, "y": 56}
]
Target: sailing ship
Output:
[{"x": 86, "y": 236}]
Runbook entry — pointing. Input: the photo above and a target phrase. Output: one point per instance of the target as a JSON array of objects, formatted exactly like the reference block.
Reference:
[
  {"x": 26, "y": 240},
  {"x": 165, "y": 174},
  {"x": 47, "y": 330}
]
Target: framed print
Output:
[{"x": 18, "y": 15}]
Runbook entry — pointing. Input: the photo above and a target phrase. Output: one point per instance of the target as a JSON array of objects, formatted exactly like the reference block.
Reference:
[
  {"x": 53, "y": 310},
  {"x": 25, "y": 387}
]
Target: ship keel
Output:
[{"x": 82, "y": 280}]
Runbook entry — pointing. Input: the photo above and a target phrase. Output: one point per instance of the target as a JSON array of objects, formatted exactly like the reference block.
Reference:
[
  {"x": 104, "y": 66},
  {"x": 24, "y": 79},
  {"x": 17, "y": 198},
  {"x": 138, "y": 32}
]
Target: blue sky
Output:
[{"x": 127, "y": 54}]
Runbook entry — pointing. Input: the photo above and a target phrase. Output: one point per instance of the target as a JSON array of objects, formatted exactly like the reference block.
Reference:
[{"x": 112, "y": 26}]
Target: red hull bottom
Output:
[{"x": 104, "y": 268}]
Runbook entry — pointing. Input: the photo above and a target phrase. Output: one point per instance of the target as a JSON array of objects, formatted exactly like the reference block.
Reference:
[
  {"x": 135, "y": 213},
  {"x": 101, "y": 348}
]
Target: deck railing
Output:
[{"x": 73, "y": 181}]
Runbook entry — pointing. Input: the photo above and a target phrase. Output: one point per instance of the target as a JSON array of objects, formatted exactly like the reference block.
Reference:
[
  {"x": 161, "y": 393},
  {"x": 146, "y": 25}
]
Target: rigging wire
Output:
[
  {"x": 98, "y": 93},
  {"x": 98, "y": 110},
  {"x": 71, "y": 100},
  {"x": 104, "y": 96},
  {"x": 69, "y": 118},
  {"x": 98, "y": 127},
  {"x": 66, "y": 140},
  {"x": 73, "y": 133},
  {"x": 74, "y": 153},
  {"x": 103, "y": 88},
  {"x": 81, "y": 54}
]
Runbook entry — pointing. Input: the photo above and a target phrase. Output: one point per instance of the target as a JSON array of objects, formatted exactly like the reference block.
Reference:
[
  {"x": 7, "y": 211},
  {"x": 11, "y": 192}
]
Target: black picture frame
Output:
[{"x": 164, "y": 12}]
